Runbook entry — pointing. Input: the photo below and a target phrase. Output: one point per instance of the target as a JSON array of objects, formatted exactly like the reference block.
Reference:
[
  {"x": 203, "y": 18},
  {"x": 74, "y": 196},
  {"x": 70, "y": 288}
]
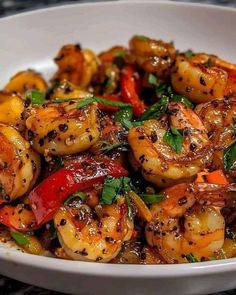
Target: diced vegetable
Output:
[
  {"x": 217, "y": 177},
  {"x": 47, "y": 197},
  {"x": 128, "y": 91}
]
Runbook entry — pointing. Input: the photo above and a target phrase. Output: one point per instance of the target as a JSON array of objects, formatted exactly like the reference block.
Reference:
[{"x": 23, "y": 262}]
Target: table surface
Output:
[{"x": 9, "y": 7}]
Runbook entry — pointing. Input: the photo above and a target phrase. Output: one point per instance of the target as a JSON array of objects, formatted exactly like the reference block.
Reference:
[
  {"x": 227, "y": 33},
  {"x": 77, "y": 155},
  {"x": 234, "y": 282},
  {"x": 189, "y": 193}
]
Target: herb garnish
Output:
[
  {"x": 107, "y": 147},
  {"x": 20, "y": 238},
  {"x": 141, "y": 37},
  {"x": 230, "y": 157},
  {"x": 183, "y": 100},
  {"x": 174, "y": 138},
  {"x": 35, "y": 96},
  {"x": 190, "y": 257},
  {"x": 124, "y": 117},
  {"x": 76, "y": 195},
  {"x": 164, "y": 90},
  {"x": 52, "y": 88},
  {"x": 103, "y": 101},
  {"x": 113, "y": 187},
  {"x": 209, "y": 63},
  {"x": 156, "y": 110},
  {"x": 189, "y": 53},
  {"x": 152, "y": 198}
]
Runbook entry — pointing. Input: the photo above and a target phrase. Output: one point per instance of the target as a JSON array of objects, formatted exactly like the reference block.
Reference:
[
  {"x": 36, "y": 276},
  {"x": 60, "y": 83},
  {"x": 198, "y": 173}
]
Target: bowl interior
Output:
[{"x": 31, "y": 40}]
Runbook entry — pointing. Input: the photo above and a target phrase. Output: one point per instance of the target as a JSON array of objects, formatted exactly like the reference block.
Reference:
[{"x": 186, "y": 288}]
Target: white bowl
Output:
[{"x": 31, "y": 40}]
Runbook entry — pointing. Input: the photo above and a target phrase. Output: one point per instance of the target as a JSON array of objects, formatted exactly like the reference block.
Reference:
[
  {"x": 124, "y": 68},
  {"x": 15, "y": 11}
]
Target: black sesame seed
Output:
[
  {"x": 30, "y": 135},
  {"x": 141, "y": 137},
  {"x": 142, "y": 159},
  {"x": 192, "y": 146},
  {"x": 63, "y": 221},
  {"x": 63, "y": 127},
  {"x": 6, "y": 198},
  {"x": 153, "y": 136},
  {"x": 182, "y": 201},
  {"x": 52, "y": 134},
  {"x": 109, "y": 240},
  {"x": 27, "y": 103},
  {"x": 41, "y": 142},
  {"x": 202, "y": 81}
]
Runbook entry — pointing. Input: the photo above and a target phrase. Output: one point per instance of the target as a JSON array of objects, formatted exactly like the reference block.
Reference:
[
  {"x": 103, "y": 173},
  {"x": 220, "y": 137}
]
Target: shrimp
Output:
[
  {"x": 203, "y": 226},
  {"x": 153, "y": 56},
  {"x": 93, "y": 237},
  {"x": 160, "y": 164},
  {"x": 67, "y": 91},
  {"x": 218, "y": 116},
  {"x": 62, "y": 129},
  {"x": 26, "y": 80},
  {"x": 203, "y": 77},
  {"x": 11, "y": 110},
  {"x": 19, "y": 164},
  {"x": 76, "y": 65}
]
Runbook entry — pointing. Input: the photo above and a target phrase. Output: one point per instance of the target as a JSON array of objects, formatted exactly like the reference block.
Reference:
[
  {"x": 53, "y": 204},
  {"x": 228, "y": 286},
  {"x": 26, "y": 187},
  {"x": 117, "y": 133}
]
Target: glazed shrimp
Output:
[
  {"x": 202, "y": 233},
  {"x": 20, "y": 165},
  {"x": 218, "y": 116},
  {"x": 153, "y": 56},
  {"x": 26, "y": 80},
  {"x": 89, "y": 238},
  {"x": 203, "y": 77},
  {"x": 67, "y": 91},
  {"x": 160, "y": 164},
  {"x": 62, "y": 129},
  {"x": 11, "y": 109},
  {"x": 76, "y": 65}
]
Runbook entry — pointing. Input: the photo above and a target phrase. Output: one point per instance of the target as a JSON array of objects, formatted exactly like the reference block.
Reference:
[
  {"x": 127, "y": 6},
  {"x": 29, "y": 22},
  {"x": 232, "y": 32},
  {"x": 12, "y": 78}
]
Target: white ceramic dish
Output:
[{"x": 31, "y": 40}]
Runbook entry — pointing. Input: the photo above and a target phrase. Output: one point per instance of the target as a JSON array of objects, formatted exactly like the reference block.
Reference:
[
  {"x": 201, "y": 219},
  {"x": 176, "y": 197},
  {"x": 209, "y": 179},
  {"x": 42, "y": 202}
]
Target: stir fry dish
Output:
[{"x": 128, "y": 156}]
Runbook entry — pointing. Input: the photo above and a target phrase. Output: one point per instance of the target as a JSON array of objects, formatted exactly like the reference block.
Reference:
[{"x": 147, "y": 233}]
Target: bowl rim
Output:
[
  {"x": 118, "y": 2},
  {"x": 117, "y": 270},
  {"x": 105, "y": 269}
]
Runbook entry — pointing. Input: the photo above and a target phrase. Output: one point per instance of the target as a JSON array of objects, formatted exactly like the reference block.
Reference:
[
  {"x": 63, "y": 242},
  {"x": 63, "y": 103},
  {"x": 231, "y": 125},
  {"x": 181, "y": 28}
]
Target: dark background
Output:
[{"x": 9, "y": 7}]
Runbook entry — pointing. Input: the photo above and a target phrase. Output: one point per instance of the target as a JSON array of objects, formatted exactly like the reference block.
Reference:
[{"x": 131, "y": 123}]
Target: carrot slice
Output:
[{"x": 217, "y": 177}]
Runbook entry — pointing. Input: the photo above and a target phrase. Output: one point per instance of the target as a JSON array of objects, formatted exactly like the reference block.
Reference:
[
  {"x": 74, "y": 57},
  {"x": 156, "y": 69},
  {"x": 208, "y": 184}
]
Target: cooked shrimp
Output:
[
  {"x": 160, "y": 164},
  {"x": 62, "y": 129},
  {"x": 228, "y": 250},
  {"x": 26, "y": 80},
  {"x": 202, "y": 233},
  {"x": 218, "y": 116},
  {"x": 66, "y": 90},
  {"x": 76, "y": 65},
  {"x": 153, "y": 56},
  {"x": 203, "y": 77},
  {"x": 20, "y": 165},
  {"x": 89, "y": 238},
  {"x": 11, "y": 109}
]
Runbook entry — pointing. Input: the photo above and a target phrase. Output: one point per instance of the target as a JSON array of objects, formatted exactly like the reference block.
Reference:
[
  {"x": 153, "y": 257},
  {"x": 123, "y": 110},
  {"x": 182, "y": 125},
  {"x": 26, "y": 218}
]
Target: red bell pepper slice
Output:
[
  {"x": 47, "y": 197},
  {"x": 129, "y": 90},
  {"x": 19, "y": 217}
]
